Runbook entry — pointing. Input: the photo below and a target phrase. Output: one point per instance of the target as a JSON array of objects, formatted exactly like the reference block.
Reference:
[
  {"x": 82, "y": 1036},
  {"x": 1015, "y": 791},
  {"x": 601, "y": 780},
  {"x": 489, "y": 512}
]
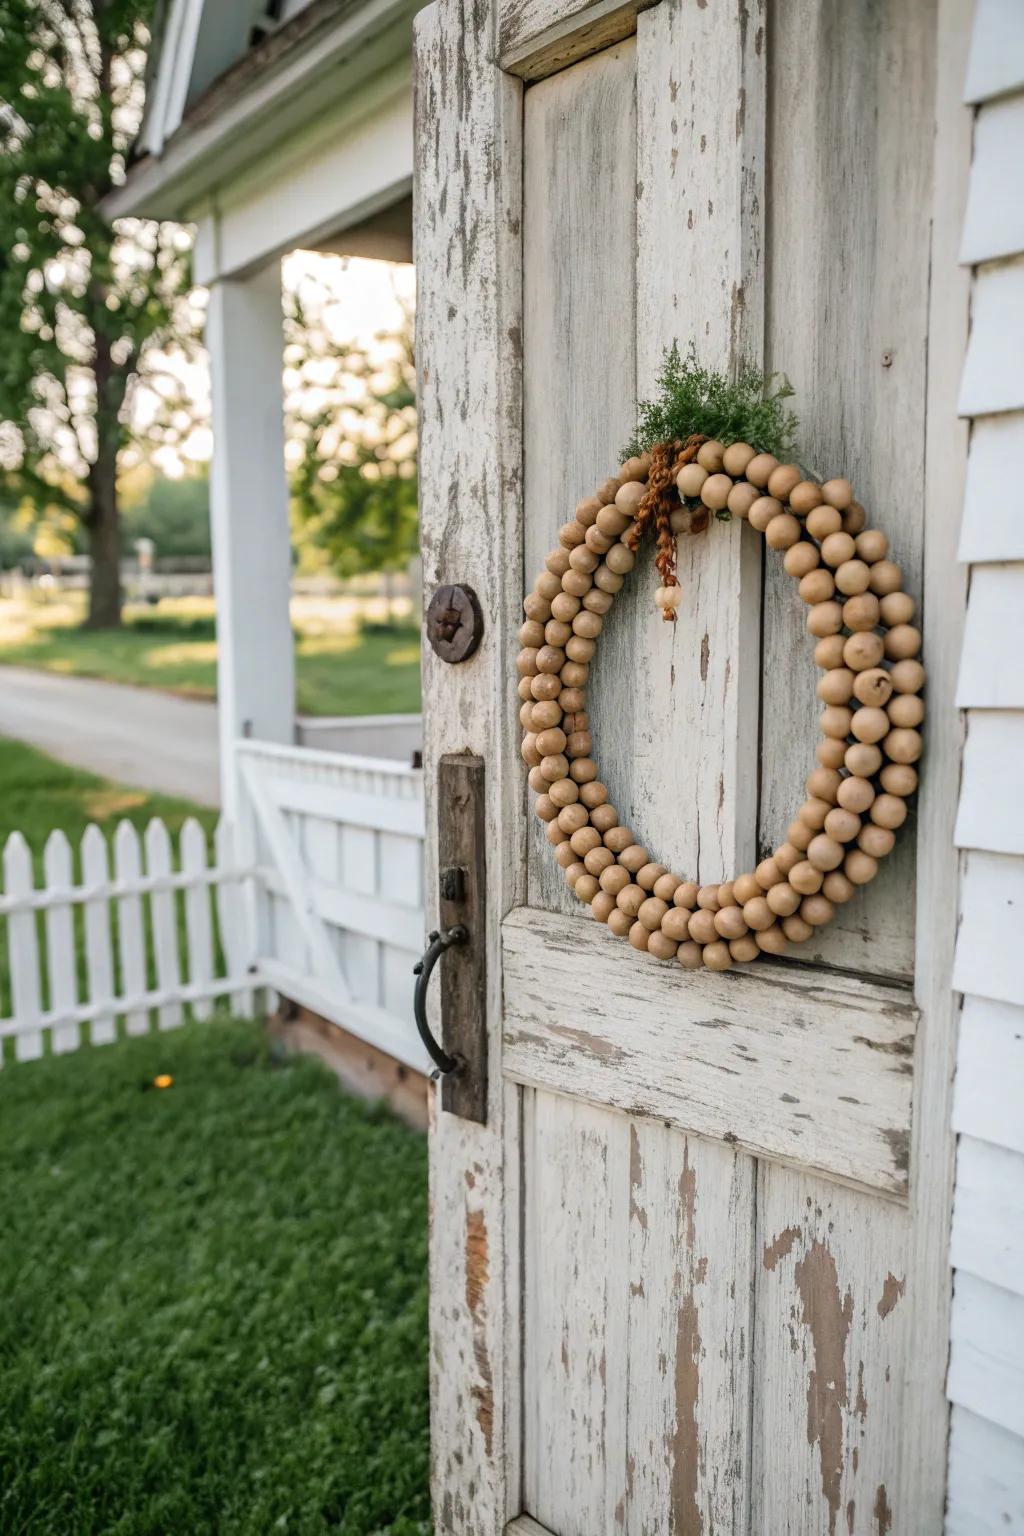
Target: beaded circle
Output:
[{"x": 866, "y": 648}]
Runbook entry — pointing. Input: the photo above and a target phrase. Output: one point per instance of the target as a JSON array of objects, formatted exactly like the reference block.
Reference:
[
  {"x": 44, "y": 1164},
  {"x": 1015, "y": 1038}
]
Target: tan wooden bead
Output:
[
  {"x": 582, "y": 769},
  {"x": 744, "y": 950},
  {"x": 726, "y": 898},
  {"x": 837, "y": 549},
  {"x": 804, "y": 497},
  {"x": 782, "y": 480},
  {"x": 745, "y": 888},
  {"x": 550, "y": 741},
  {"x": 907, "y": 676},
  {"x": 830, "y": 752},
  {"x": 889, "y": 811},
  {"x": 574, "y": 674},
  {"x": 841, "y": 824},
  {"x": 800, "y": 559},
  {"x": 686, "y": 894},
  {"x": 757, "y": 914},
  {"x": 837, "y": 887},
  {"x": 593, "y": 794},
  {"x": 859, "y": 867},
  {"x": 604, "y": 818},
  {"x": 714, "y": 493},
  {"x": 906, "y": 709},
  {"x": 620, "y": 924},
  {"x": 702, "y": 926},
  {"x": 666, "y": 885},
  {"x": 872, "y": 545},
  {"x": 563, "y": 792},
  {"x": 602, "y": 906},
  {"x": 835, "y": 720},
  {"x": 558, "y": 561},
  {"x": 825, "y": 853},
  {"x": 898, "y": 779},
  {"x": 799, "y": 834},
  {"x": 633, "y": 468},
  {"x": 618, "y": 839},
  {"x": 628, "y": 498},
  {"x": 537, "y": 782},
  {"x": 564, "y": 855},
  {"x": 690, "y": 479},
  {"x": 903, "y": 642},
  {"x": 783, "y": 899},
  {"x": 856, "y": 794},
  {"x": 649, "y": 874},
  {"x": 575, "y": 720},
  {"x": 586, "y": 511},
  {"x": 852, "y": 576},
  {"x": 873, "y": 687},
  {"x": 854, "y": 518},
  {"x": 586, "y": 887},
  {"x": 877, "y": 841},
  {"x": 796, "y": 930},
  {"x": 572, "y": 700},
  {"x": 614, "y": 878},
  {"x": 526, "y": 716},
  {"x": 823, "y": 522},
  {"x": 736, "y": 458},
  {"x": 823, "y": 784},
  {"x": 730, "y": 923},
  {"x": 582, "y": 558},
  {"x": 690, "y": 955},
  {"x": 576, "y": 584},
  {"x": 782, "y": 532},
  {"x": 817, "y": 586},
  {"x": 607, "y": 580},
  {"x": 897, "y": 608},
  {"x": 886, "y": 577},
  {"x": 763, "y": 511},
  {"x": 837, "y": 493},
  {"x": 817, "y": 910},
  {"x": 565, "y": 607},
  {"x": 651, "y": 912},
  {"x": 676, "y": 924},
  {"x": 768, "y": 874},
  {"x": 639, "y": 936},
  {"x": 545, "y": 714},
  {"x": 711, "y": 456},
  {"x": 574, "y": 871},
  {"x": 634, "y": 858},
  {"x": 772, "y": 941},
  {"x": 786, "y": 856},
  {"x": 599, "y": 542},
  {"x": 596, "y": 601},
  {"x": 611, "y": 521},
  {"x": 630, "y": 899},
  {"x": 579, "y": 744},
  {"x": 548, "y": 585},
  {"x": 528, "y": 750},
  {"x": 741, "y": 498},
  {"x": 716, "y": 956},
  {"x": 707, "y": 898},
  {"x": 661, "y": 946},
  {"x": 806, "y": 877},
  {"x": 760, "y": 468},
  {"x": 681, "y": 520},
  {"x": 524, "y": 688},
  {"x": 836, "y": 687},
  {"x": 554, "y": 766},
  {"x": 531, "y": 634},
  {"x": 546, "y": 808},
  {"x": 828, "y": 652},
  {"x": 870, "y": 724},
  {"x": 825, "y": 619},
  {"x": 903, "y": 745},
  {"x": 620, "y": 560},
  {"x": 572, "y": 817},
  {"x": 597, "y": 859},
  {"x": 861, "y": 613},
  {"x": 571, "y": 533},
  {"x": 584, "y": 840},
  {"x": 606, "y": 491},
  {"x": 862, "y": 651},
  {"x": 526, "y": 661}
]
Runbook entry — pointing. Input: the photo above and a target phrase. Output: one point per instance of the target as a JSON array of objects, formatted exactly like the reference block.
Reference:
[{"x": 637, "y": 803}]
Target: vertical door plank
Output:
[
  {"x": 23, "y": 950},
  {"x": 130, "y": 930},
  {"x": 829, "y": 1345},
  {"x": 61, "y": 965},
  {"x": 686, "y": 697},
  {"x": 99, "y": 955},
  {"x": 164, "y": 922},
  {"x": 579, "y": 304},
  {"x": 198, "y": 917},
  {"x": 849, "y": 188}
]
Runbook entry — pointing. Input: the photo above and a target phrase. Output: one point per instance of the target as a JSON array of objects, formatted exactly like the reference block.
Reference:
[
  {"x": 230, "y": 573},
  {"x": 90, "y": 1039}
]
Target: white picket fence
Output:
[{"x": 98, "y": 947}]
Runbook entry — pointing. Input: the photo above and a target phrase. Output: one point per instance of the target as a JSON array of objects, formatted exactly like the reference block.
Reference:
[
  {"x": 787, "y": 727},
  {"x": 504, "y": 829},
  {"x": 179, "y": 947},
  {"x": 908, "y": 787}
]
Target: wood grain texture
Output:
[
  {"x": 986, "y": 1356},
  {"x": 986, "y": 1478},
  {"x": 468, "y": 202},
  {"x": 637, "y": 1258},
  {"x": 462, "y": 845},
  {"x": 831, "y": 1320},
  {"x": 579, "y": 257},
  {"x": 994, "y": 221},
  {"x": 991, "y": 813},
  {"x": 993, "y": 528},
  {"x": 849, "y": 192},
  {"x": 988, "y": 1217},
  {"x": 537, "y": 38},
  {"x": 990, "y": 1073},
  {"x": 780, "y": 1061}
]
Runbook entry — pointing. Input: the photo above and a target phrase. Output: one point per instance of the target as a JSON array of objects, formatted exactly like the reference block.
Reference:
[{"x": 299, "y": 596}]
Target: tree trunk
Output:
[{"x": 104, "y": 530}]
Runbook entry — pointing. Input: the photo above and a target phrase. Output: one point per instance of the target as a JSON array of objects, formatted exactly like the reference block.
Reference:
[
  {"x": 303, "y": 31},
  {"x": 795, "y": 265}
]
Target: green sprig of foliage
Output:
[{"x": 750, "y": 408}]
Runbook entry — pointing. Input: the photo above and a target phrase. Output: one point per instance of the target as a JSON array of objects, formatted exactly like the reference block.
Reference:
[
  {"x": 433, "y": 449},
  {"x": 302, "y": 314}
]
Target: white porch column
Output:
[{"x": 249, "y": 517}]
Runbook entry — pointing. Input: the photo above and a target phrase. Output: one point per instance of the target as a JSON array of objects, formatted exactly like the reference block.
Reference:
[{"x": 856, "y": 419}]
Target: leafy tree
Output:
[
  {"x": 175, "y": 514},
  {"x": 352, "y": 438},
  {"x": 83, "y": 302}
]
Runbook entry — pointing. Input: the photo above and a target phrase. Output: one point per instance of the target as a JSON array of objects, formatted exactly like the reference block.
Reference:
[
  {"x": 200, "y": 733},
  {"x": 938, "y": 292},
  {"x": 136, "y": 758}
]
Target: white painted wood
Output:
[
  {"x": 988, "y": 1214},
  {"x": 131, "y": 936},
  {"x": 988, "y": 945},
  {"x": 993, "y": 638},
  {"x": 23, "y": 951},
  {"x": 990, "y": 1073},
  {"x": 991, "y": 814},
  {"x": 831, "y": 1322},
  {"x": 234, "y": 917},
  {"x": 382, "y": 1028},
  {"x": 198, "y": 917},
  {"x": 541, "y": 37},
  {"x": 99, "y": 956},
  {"x": 994, "y": 222},
  {"x": 992, "y": 379},
  {"x": 379, "y": 812},
  {"x": 781, "y": 1061},
  {"x": 986, "y": 1478},
  {"x": 61, "y": 959},
  {"x": 163, "y": 924},
  {"x": 993, "y": 521},
  {"x": 249, "y": 518},
  {"x": 525, "y": 1526},
  {"x": 996, "y": 59},
  {"x": 986, "y": 1359}
]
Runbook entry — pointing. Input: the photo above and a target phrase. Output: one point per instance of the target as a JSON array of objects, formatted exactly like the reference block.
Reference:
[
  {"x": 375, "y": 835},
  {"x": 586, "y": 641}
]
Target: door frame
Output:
[{"x": 471, "y": 65}]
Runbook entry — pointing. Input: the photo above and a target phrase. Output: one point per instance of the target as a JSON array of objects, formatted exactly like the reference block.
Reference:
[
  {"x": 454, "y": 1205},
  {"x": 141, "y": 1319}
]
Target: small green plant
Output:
[{"x": 750, "y": 408}]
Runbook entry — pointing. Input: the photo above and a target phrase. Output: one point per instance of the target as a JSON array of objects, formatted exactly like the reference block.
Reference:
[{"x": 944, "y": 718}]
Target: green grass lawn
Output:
[
  {"x": 345, "y": 664},
  {"x": 214, "y": 1297}
]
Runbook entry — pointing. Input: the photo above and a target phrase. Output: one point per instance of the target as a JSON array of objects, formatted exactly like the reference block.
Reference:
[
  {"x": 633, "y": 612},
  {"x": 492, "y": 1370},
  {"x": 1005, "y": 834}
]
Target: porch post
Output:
[{"x": 249, "y": 518}]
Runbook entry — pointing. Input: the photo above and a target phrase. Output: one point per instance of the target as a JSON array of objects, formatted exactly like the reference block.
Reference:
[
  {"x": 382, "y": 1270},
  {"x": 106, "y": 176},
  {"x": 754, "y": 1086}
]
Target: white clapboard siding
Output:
[
  {"x": 986, "y": 1357},
  {"x": 58, "y": 876},
  {"x": 993, "y": 521},
  {"x": 986, "y": 1478},
  {"x": 990, "y": 942},
  {"x": 991, "y": 812},
  {"x": 991, "y": 676},
  {"x": 988, "y": 1215},
  {"x": 990, "y": 1073},
  {"x": 994, "y": 222},
  {"x": 993, "y": 377},
  {"x": 996, "y": 59}
]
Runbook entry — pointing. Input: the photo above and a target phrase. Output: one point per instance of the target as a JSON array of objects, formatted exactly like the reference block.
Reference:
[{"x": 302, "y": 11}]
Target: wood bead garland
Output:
[{"x": 867, "y": 650}]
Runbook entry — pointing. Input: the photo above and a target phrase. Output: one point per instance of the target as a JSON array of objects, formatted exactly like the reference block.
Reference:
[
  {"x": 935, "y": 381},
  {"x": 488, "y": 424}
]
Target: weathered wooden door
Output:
[{"x": 690, "y": 1275}]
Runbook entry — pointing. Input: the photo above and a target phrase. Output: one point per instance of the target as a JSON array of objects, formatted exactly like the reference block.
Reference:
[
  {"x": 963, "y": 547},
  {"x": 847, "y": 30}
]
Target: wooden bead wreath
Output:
[{"x": 867, "y": 649}]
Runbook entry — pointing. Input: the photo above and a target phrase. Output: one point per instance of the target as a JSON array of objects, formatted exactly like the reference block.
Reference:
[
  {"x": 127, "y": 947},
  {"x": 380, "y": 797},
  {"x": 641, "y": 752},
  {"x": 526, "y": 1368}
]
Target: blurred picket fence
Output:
[{"x": 105, "y": 944}]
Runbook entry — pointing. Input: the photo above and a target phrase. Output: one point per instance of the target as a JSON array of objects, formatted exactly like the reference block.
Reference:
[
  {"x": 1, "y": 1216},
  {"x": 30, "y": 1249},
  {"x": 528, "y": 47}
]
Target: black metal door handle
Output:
[{"x": 423, "y": 970}]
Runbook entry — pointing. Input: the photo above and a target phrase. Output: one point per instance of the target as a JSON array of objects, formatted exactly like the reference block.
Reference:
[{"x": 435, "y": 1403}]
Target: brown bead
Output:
[
  {"x": 872, "y": 545},
  {"x": 619, "y": 923},
  {"x": 783, "y": 899},
  {"x": 537, "y": 607},
  {"x": 554, "y": 766},
  {"x": 584, "y": 840},
  {"x": 782, "y": 480},
  {"x": 607, "y": 580},
  {"x": 730, "y": 923},
  {"x": 618, "y": 838},
  {"x": 707, "y": 898},
  {"x": 550, "y": 741},
  {"x": 886, "y": 577},
  {"x": 745, "y": 888},
  {"x": 582, "y": 769},
  {"x": 841, "y": 825},
  {"x": 760, "y": 469},
  {"x": 586, "y": 511},
  {"x": 873, "y": 687},
  {"x": 611, "y": 521},
  {"x": 804, "y": 497},
  {"x": 907, "y": 676},
  {"x": 614, "y": 879},
  {"x": 634, "y": 858},
  {"x": 830, "y": 752},
  {"x": 544, "y": 715},
  {"x": 837, "y": 887},
  {"x": 690, "y": 479},
  {"x": 796, "y": 930},
  {"x": 825, "y": 619},
  {"x": 604, "y": 818},
  {"x": 818, "y": 586},
  {"x": 558, "y": 561},
  {"x": 579, "y": 744},
  {"x": 583, "y": 559},
  {"x": 861, "y": 613},
  {"x": 768, "y": 874},
  {"x": 602, "y": 906},
  {"x": 903, "y": 746},
  {"x": 782, "y": 532},
  {"x": 877, "y": 841},
  {"x": 889, "y": 811},
  {"x": 823, "y": 784},
  {"x": 586, "y": 887},
  {"x": 817, "y": 910},
  {"x": 744, "y": 950},
  {"x": 859, "y": 867},
  {"x": 837, "y": 548},
  {"x": 649, "y": 874},
  {"x": 835, "y": 720},
  {"x": 897, "y": 608},
  {"x": 838, "y": 493},
  {"x": 599, "y": 542},
  {"x": 902, "y": 642},
  {"x": 524, "y": 688},
  {"x": 596, "y": 601},
  {"x": 651, "y": 912},
  {"x": 742, "y": 498},
  {"x": 620, "y": 560},
  {"x": 799, "y": 834},
  {"x": 856, "y": 794},
  {"x": 711, "y": 456},
  {"x": 823, "y": 522},
  {"x": 836, "y": 687},
  {"x": 564, "y": 855},
  {"x": 574, "y": 674},
  {"x": 828, "y": 652},
  {"x": 806, "y": 877},
  {"x": 714, "y": 493},
  {"x": 906, "y": 709},
  {"x": 570, "y": 534},
  {"x": 576, "y": 584},
  {"x": 639, "y": 936},
  {"x": 593, "y": 795},
  {"x": 548, "y": 585},
  {"x": 565, "y": 607},
  {"x": 661, "y": 946},
  {"x": 574, "y": 871},
  {"x": 597, "y": 859},
  {"x": 675, "y": 924},
  {"x": 526, "y": 661},
  {"x": 690, "y": 955},
  {"x": 870, "y": 724},
  {"x": 852, "y": 577},
  {"x": 862, "y": 651},
  {"x": 736, "y": 458},
  {"x": 702, "y": 926},
  {"x": 546, "y": 808},
  {"x": 854, "y": 518},
  {"x": 537, "y": 782},
  {"x": 666, "y": 885},
  {"x": 772, "y": 940},
  {"x": 572, "y": 701},
  {"x": 630, "y": 899},
  {"x": 825, "y": 853},
  {"x": 757, "y": 914},
  {"x": 563, "y": 792},
  {"x": 716, "y": 956},
  {"x": 764, "y": 511},
  {"x": 786, "y": 856},
  {"x": 801, "y": 559},
  {"x": 531, "y": 634},
  {"x": 898, "y": 779}
]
